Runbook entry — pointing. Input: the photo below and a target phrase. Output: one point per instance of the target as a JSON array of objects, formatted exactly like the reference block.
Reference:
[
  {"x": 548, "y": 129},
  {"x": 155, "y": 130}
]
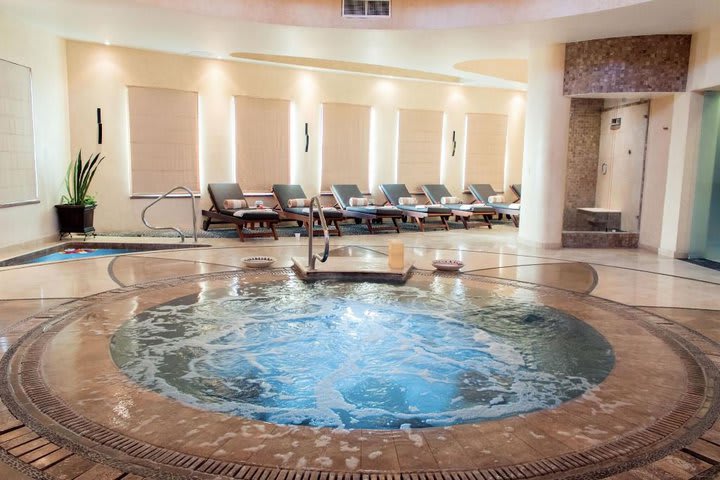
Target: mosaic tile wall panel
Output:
[
  {"x": 649, "y": 63},
  {"x": 583, "y": 151}
]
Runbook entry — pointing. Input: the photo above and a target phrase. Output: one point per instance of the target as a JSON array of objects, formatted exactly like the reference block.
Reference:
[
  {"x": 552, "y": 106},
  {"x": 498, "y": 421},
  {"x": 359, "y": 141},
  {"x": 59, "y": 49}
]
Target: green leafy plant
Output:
[{"x": 78, "y": 179}]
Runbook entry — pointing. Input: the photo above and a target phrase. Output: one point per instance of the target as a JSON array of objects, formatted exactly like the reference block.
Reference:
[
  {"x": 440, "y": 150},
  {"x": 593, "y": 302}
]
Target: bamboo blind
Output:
[
  {"x": 262, "y": 136},
  {"x": 345, "y": 145},
  {"x": 163, "y": 139},
  {"x": 419, "y": 147},
  {"x": 486, "y": 137}
]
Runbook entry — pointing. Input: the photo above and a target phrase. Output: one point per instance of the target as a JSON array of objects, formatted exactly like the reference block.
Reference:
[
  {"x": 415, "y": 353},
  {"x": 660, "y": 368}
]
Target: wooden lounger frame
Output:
[
  {"x": 239, "y": 224},
  {"x": 306, "y": 220},
  {"x": 369, "y": 217}
]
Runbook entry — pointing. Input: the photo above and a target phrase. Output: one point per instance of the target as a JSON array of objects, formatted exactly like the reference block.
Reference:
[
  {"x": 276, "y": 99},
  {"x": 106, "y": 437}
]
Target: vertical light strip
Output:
[
  {"x": 293, "y": 143},
  {"x": 128, "y": 142},
  {"x": 443, "y": 148},
  {"x": 397, "y": 145},
  {"x": 201, "y": 145},
  {"x": 233, "y": 140},
  {"x": 463, "y": 174},
  {"x": 320, "y": 149},
  {"x": 372, "y": 154}
]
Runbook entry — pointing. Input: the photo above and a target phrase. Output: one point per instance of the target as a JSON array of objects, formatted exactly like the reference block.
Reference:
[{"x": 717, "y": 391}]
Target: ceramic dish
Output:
[
  {"x": 448, "y": 265},
  {"x": 258, "y": 262}
]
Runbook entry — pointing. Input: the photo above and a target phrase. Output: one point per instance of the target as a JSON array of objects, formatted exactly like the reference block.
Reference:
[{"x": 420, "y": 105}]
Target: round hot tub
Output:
[{"x": 362, "y": 355}]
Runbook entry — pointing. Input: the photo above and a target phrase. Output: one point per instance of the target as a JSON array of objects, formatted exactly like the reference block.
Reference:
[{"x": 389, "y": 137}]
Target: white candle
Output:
[{"x": 396, "y": 254}]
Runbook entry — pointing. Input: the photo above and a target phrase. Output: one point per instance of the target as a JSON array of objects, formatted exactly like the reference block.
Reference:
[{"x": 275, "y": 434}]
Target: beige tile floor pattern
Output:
[{"x": 676, "y": 290}]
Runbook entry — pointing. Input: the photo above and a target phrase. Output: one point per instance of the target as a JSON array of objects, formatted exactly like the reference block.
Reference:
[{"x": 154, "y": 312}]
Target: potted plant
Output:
[{"x": 75, "y": 213}]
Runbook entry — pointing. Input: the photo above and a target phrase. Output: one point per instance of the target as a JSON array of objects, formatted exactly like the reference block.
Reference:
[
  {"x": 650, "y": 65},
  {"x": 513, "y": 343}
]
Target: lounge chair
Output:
[
  {"x": 242, "y": 218},
  {"x": 284, "y": 193},
  {"x": 344, "y": 193},
  {"x": 517, "y": 190},
  {"x": 482, "y": 193},
  {"x": 439, "y": 194},
  {"x": 394, "y": 192}
]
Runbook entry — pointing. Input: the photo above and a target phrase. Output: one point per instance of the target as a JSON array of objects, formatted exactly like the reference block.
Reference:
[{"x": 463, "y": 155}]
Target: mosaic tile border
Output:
[{"x": 24, "y": 392}]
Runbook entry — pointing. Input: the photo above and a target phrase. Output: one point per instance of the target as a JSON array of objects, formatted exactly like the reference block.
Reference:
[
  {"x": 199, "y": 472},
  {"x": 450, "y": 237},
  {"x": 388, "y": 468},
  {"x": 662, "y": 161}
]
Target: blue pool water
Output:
[
  {"x": 362, "y": 355},
  {"x": 75, "y": 253}
]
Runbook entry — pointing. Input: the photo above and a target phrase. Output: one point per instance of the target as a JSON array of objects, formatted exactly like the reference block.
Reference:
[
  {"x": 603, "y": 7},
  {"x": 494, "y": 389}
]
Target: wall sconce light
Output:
[
  {"x": 454, "y": 144},
  {"x": 307, "y": 138},
  {"x": 99, "y": 124}
]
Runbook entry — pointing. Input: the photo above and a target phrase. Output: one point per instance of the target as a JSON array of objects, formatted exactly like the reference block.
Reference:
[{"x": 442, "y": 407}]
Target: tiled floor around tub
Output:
[{"x": 678, "y": 292}]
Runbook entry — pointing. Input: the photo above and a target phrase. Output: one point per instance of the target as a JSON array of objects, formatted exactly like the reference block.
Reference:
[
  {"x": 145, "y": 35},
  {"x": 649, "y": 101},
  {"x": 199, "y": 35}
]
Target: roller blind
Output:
[
  {"x": 163, "y": 139},
  {"x": 419, "y": 147},
  {"x": 17, "y": 154},
  {"x": 345, "y": 145},
  {"x": 486, "y": 137},
  {"x": 262, "y": 136}
]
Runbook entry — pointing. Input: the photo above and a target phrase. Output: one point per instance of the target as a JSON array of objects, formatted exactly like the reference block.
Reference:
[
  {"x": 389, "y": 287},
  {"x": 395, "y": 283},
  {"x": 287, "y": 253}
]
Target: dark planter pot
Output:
[{"x": 76, "y": 219}]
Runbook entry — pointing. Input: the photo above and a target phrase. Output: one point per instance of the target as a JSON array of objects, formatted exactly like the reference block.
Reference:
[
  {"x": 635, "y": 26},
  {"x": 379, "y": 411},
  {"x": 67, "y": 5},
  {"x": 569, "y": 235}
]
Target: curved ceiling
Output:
[
  {"x": 515, "y": 70},
  {"x": 406, "y": 14},
  {"x": 183, "y": 26}
]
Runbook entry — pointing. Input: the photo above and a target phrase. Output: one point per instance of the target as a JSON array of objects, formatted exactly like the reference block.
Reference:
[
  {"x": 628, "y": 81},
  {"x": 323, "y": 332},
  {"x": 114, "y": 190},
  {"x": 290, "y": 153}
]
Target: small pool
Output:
[
  {"x": 362, "y": 355},
  {"x": 79, "y": 250},
  {"x": 74, "y": 253}
]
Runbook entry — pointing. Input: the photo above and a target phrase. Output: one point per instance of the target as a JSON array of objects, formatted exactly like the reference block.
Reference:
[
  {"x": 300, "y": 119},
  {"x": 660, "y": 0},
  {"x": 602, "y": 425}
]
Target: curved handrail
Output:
[
  {"x": 164, "y": 195},
  {"x": 326, "y": 233}
]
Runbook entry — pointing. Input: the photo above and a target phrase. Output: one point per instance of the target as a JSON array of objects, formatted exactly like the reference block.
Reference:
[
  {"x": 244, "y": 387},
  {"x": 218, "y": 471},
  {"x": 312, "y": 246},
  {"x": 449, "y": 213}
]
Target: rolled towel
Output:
[
  {"x": 407, "y": 201},
  {"x": 450, "y": 200},
  {"x": 298, "y": 203},
  {"x": 234, "y": 204},
  {"x": 496, "y": 199},
  {"x": 325, "y": 209},
  {"x": 240, "y": 213},
  {"x": 359, "y": 202}
]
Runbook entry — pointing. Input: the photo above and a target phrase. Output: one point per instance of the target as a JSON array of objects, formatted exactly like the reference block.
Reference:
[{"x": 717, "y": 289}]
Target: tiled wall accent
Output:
[
  {"x": 583, "y": 150},
  {"x": 599, "y": 240},
  {"x": 650, "y": 63}
]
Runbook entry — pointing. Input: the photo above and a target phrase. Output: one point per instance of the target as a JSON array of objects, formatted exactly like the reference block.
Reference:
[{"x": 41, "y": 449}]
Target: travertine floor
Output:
[{"x": 677, "y": 291}]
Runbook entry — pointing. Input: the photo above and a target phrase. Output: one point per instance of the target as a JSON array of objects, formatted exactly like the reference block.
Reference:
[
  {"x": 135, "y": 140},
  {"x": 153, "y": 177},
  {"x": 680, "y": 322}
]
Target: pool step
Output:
[{"x": 352, "y": 268}]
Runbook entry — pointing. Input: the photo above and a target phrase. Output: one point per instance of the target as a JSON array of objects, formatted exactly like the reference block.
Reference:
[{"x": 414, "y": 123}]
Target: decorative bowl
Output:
[
  {"x": 448, "y": 265},
  {"x": 258, "y": 262}
]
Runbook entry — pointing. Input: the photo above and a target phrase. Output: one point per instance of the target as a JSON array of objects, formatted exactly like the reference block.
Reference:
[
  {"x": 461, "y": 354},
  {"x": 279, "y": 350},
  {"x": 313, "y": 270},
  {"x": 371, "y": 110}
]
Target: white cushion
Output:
[
  {"x": 407, "y": 201},
  {"x": 325, "y": 209},
  {"x": 359, "y": 202},
  {"x": 450, "y": 200},
  {"x": 496, "y": 199},
  {"x": 298, "y": 202},
  {"x": 234, "y": 204},
  {"x": 240, "y": 213}
]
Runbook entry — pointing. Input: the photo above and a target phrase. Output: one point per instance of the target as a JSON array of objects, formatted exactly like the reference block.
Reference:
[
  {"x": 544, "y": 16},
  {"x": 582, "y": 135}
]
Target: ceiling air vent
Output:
[{"x": 366, "y": 8}]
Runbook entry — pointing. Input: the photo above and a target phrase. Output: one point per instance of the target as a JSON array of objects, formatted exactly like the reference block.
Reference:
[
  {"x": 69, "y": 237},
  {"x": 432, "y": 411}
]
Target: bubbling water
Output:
[{"x": 362, "y": 355}]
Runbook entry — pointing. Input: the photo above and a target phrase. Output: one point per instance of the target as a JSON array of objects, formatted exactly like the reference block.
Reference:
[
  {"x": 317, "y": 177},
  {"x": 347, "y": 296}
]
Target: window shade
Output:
[
  {"x": 262, "y": 136},
  {"x": 419, "y": 148},
  {"x": 17, "y": 153},
  {"x": 163, "y": 139},
  {"x": 486, "y": 137},
  {"x": 345, "y": 145}
]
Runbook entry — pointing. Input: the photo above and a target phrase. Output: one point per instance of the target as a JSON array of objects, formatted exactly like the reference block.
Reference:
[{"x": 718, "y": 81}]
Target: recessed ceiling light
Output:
[{"x": 107, "y": 42}]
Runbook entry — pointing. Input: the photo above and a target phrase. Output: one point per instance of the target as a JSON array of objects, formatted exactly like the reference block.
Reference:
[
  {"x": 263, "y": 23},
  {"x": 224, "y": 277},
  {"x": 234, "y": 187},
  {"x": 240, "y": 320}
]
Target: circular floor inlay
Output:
[
  {"x": 61, "y": 380},
  {"x": 362, "y": 355}
]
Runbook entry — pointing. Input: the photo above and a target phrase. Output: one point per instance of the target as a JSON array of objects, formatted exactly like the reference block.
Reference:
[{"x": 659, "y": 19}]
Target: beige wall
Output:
[
  {"x": 98, "y": 76},
  {"x": 656, "y": 161},
  {"x": 705, "y": 59},
  {"x": 44, "y": 53}
]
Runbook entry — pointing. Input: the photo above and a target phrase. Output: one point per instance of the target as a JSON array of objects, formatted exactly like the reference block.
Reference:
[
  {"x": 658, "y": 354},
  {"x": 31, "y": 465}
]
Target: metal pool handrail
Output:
[
  {"x": 326, "y": 233},
  {"x": 164, "y": 195}
]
